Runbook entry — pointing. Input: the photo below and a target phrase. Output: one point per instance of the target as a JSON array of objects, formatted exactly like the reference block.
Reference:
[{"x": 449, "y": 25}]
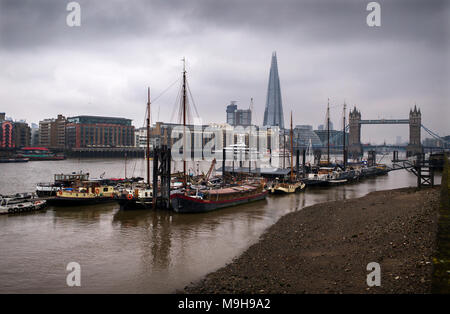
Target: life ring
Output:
[
  {"x": 97, "y": 191},
  {"x": 129, "y": 197},
  {"x": 60, "y": 192}
]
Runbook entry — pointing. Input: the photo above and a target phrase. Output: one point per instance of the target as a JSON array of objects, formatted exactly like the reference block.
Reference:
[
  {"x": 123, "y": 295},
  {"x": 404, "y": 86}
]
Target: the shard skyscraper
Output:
[{"x": 273, "y": 114}]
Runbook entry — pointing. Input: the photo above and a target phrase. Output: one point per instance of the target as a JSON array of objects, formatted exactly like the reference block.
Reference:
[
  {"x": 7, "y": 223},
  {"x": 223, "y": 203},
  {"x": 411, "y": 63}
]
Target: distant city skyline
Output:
[{"x": 325, "y": 50}]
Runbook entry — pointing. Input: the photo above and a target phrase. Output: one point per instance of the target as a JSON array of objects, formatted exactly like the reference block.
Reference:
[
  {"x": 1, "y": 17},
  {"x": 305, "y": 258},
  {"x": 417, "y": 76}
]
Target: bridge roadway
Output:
[{"x": 385, "y": 121}]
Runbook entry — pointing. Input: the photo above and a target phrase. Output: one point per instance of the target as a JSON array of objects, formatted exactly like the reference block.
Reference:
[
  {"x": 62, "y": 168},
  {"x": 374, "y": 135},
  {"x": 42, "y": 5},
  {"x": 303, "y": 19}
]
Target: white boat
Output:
[
  {"x": 60, "y": 181},
  {"x": 14, "y": 206}
]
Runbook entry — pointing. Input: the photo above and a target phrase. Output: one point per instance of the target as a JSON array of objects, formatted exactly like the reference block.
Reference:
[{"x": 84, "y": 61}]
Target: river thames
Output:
[{"x": 136, "y": 251}]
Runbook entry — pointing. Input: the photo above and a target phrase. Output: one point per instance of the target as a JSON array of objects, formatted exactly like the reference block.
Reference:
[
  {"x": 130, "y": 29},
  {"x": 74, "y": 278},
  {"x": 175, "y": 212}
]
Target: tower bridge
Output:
[{"x": 355, "y": 147}]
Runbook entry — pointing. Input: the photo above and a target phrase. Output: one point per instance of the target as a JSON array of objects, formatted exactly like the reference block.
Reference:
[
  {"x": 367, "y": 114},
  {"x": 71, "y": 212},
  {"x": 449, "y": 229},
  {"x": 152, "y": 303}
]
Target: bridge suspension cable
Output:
[{"x": 435, "y": 135}]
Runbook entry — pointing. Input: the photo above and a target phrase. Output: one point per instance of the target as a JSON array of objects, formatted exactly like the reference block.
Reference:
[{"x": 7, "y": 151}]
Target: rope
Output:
[
  {"x": 176, "y": 105},
  {"x": 193, "y": 103},
  {"x": 163, "y": 92}
]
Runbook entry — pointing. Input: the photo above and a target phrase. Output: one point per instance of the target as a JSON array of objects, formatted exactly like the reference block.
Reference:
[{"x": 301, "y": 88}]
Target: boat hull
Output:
[
  {"x": 28, "y": 206},
  {"x": 135, "y": 204},
  {"x": 186, "y": 204},
  {"x": 8, "y": 160},
  {"x": 287, "y": 188}
]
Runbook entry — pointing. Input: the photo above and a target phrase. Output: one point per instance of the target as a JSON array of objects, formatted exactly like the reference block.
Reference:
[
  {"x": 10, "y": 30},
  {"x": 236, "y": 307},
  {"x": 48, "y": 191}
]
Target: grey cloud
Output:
[
  {"x": 325, "y": 49},
  {"x": 26, "y": 23}
]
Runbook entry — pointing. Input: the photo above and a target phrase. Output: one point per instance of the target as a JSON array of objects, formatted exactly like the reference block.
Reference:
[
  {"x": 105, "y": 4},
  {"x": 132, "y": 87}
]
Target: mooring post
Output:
[
  {"x": 419, "y": 176},
  {"x": 223, "y": 164},
  {"x": 270, "y": 156},
  {"x": 345, "y": 159},
  {"x": 233, "y": 161},
  {"x": 304, "y": 158},
  {"x": 168, "y": 169},
  {"x": 431, "y": 174},
  {"x": 156, "y": 152}
]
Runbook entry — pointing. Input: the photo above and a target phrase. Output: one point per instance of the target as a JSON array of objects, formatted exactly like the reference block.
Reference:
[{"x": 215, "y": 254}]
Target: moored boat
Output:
[
  {"x": 13, "y": 205},
  {"x": 199, "y": 201},
  {"x": 10, "y": 160},
  {"x": 138, "y": 196},
  {"x": 39, "y": 153},
  {"x": 293, "y": 184},
  {"x": 287, "y": 187},
  {"x": 61, "y": 181},
  {"x": 135, "y": 198},
  {"x": 88, "y": 193}
]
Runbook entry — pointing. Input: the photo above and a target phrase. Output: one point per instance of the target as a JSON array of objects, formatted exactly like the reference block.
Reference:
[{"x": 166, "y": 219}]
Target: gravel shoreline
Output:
[{"x": 325, "y": 248}]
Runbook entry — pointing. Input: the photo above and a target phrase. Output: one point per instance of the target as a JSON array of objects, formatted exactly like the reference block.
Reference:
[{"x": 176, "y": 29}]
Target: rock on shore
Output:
[{"x": 325, "y": 248}]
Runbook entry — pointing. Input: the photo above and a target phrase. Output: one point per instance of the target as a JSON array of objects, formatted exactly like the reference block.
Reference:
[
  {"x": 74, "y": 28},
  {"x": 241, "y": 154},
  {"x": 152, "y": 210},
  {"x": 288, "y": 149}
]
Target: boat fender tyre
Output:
[
  {"x": 129, "y": 197},
  {"x": 60, "y": 192},
  {"x": 10, "y": 210}
]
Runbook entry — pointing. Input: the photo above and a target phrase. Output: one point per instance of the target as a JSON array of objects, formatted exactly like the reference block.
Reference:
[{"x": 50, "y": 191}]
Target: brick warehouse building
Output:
[
  {"x": 13, "y": 134},
  {"x": 95, "y": 131},
  {"x": 6, "y": 135},
  {"x": 22, "y": 134}
]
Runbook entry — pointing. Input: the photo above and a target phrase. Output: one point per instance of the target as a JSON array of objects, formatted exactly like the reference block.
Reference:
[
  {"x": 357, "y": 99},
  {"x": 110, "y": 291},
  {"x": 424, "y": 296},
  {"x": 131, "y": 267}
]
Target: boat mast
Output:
[
  {"x": 284, "y": 148},
  {"x": 343, "y": 140},
  {"x": 148, "y": 138},
  {"x": 310, "y": 160},
  {"x": 328, "y": 131},
  {"x": 184, "y": 122},
  {"x": 292, "y": 152}
]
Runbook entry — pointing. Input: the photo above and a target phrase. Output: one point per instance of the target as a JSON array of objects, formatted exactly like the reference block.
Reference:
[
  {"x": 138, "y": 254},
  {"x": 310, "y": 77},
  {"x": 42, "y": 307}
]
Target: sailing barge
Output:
[
  {"x": 292, "y": 185},
  {"x": 208, "y": 200}
]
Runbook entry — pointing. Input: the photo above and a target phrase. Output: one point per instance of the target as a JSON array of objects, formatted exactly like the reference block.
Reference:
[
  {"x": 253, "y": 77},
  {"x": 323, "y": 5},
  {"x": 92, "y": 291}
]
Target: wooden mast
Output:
[
  {"x": 148, "y": 138},
  {"x": 328, "y": 132},
  {"x": 284, "y": 149},
  {"x": 344, "y": 155},
  {"x": 292, "y": 151},
  {"x": 184, "y": 122}
]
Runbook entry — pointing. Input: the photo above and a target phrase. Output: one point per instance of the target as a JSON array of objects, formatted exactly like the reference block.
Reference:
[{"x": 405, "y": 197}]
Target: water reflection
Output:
[{"x": 82, "y": 214}]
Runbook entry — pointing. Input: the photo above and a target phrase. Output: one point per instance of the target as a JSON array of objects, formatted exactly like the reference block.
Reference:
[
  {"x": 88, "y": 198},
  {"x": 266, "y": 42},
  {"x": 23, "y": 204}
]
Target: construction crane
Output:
[{"x": 211, "y": 168}]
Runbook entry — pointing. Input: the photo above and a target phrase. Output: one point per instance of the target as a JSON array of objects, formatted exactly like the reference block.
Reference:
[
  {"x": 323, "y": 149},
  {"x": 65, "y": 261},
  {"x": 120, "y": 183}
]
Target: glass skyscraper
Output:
[{"x": 273, "y": 114}]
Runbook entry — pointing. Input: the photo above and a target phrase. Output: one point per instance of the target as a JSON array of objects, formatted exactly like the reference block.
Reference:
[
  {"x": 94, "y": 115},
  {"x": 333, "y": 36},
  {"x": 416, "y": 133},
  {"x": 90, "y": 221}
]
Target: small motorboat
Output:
[{"x": 12, "y": 205}]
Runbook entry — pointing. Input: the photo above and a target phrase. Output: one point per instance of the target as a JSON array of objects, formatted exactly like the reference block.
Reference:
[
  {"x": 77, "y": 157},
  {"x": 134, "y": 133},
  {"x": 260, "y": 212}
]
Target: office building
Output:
[
  {"x": 52, "y": 132},
  {"x": 96, "y": 131},
  {"x": 238, "y": 117}
]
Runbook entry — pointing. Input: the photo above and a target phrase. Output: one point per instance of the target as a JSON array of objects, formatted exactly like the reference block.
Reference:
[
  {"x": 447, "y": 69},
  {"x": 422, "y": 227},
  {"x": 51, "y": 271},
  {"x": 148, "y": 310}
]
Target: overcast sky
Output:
[{"x": 325, "y": 50}]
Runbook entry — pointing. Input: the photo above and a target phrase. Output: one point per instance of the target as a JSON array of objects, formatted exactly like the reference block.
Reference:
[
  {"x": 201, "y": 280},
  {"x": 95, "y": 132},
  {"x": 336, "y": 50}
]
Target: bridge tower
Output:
[
  {"x": 415, "y": 122},
  {"x": 354, "y": 136}
]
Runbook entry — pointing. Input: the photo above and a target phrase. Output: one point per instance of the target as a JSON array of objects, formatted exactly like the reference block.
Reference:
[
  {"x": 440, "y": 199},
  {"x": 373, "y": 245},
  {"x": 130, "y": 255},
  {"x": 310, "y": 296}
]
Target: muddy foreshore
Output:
[{"x": 325, "y": 248}]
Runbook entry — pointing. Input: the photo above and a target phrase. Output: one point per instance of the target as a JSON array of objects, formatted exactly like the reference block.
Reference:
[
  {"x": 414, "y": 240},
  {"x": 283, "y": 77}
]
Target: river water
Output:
[{"x": 136, "y": 251}]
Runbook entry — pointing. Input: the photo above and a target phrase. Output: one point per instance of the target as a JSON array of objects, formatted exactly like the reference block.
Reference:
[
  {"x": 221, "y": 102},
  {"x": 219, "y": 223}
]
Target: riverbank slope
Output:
[{"x": 325, "y": 248}]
